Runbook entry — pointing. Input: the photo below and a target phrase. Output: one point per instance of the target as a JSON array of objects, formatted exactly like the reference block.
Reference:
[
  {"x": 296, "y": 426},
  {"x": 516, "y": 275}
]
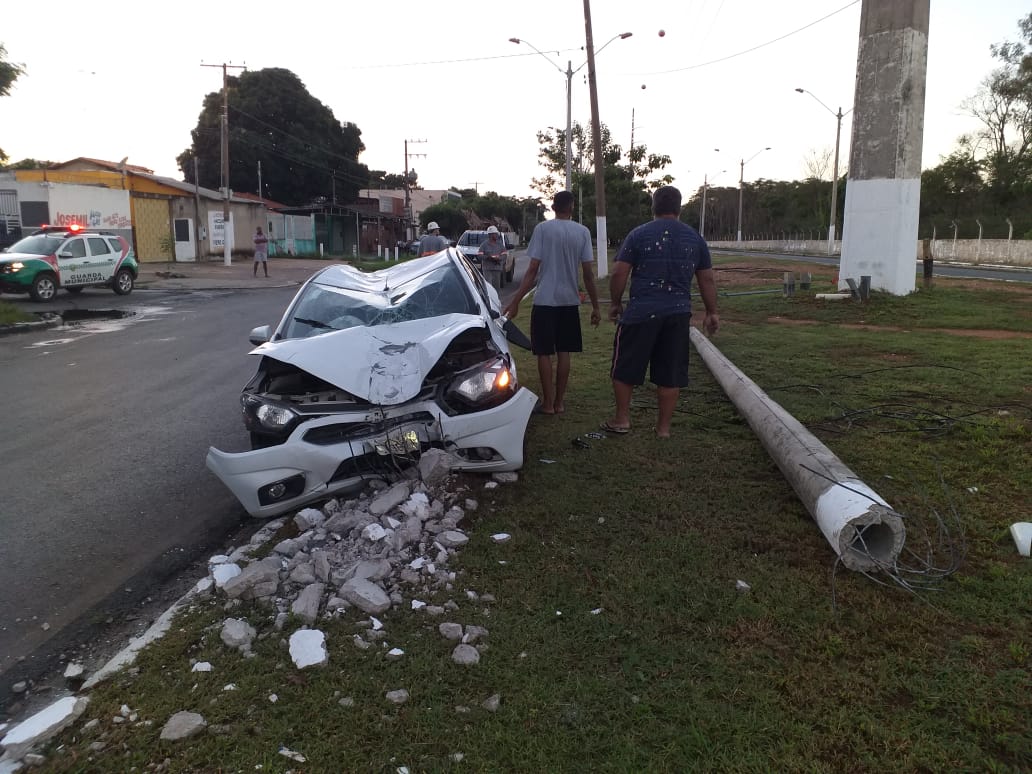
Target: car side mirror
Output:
[
  {"x": 259, "y": 335},
  {"x": 65, "y": 254},
  {"x": 495, "y": 314}
]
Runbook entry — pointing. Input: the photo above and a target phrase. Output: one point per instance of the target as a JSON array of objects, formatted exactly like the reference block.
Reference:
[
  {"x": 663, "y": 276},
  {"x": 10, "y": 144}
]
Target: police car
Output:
[{"x": 69, "y": 257}]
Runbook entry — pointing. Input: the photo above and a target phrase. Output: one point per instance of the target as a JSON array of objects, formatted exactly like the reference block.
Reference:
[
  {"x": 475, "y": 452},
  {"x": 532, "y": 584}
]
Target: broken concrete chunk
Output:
[
  {"x": 261, "y": 574},
  {"x": 399, "y": 696},
  {"x": 434, "y": 466},
  {"x": 452, "y": 539},
  {"x": 466, "y": 655},
  {"x": 224, "y": 572},
  {"x": 390, "y": 499},
  {"x": 306, "y": 606},
  {"x": 183, "y": 725},
  {"x": 450, "y": 631},
  {"x": 308, "y": 648},
  {"x": 492, "y": 702},
  {"x": 506, "y": 477},
  {"x": 365, "y": 595},
  {"x": 237, "y": 633}
]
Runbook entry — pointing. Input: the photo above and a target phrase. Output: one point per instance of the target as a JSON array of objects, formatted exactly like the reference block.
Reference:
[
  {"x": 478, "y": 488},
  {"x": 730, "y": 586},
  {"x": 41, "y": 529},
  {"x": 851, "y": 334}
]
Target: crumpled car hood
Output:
[{"x": 384, "y": 364}]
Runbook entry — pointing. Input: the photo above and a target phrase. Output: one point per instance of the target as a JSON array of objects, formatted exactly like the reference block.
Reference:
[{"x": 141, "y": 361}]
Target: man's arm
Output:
[
  {"x": 588, "y": 270},
  {"x": 708, "y": 291},
  {"x": 617, "y": 285},
  {"x": 529, "y": 277}
]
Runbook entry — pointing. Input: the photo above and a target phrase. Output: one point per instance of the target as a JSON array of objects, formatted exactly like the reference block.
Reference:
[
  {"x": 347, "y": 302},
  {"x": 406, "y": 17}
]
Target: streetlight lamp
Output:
[
  {"x": 834, "y": 182},
  {"x": 569, "y": 73},
  {"x": 741, "y": 183}
]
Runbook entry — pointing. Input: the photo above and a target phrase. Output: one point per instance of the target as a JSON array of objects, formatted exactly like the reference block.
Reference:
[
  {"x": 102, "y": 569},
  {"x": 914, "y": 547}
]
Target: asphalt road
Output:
[{"x": 103, "y": 490}]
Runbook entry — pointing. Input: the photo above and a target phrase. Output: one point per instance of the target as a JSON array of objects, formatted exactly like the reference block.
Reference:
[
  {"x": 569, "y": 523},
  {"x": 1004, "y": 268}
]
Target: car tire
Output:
[
  {"x": 75, "y": 290},
  {"x": 44, "y": 287},
  {"x": 123, "y": 282}
]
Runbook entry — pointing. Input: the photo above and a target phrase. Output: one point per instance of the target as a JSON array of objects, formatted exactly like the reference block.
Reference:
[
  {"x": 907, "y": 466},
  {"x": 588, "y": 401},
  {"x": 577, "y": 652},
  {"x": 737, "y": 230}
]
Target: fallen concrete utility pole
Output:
[{"x": 861, "y": 527}]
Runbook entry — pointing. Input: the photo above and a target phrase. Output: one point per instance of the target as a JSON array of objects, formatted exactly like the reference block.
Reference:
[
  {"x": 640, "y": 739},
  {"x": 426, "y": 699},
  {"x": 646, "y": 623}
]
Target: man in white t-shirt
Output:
[{"x": 557, "y": 249}]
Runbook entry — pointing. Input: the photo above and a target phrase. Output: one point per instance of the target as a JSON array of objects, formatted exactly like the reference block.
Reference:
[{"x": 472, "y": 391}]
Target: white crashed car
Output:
[{"x": 365, "y": 372}]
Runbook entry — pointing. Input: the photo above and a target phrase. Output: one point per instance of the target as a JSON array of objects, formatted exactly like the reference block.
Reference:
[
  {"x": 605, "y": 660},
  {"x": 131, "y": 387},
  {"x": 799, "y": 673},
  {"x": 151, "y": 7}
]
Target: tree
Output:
[
  {"x": 9, "y": 73},
  {"x": 305, "y": 152},
  {"x": 380, "y": 179},
  {"x": 627, "y": 184}
]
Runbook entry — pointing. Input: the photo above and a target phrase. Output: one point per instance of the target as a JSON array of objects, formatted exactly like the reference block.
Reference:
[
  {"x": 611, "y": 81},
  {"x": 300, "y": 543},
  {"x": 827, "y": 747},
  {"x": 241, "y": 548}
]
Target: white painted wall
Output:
[{"x": 879, "y": 230}]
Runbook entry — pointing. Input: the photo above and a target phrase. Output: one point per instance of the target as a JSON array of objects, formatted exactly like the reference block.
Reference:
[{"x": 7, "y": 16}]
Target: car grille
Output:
[{"x": 340, "y": 432}]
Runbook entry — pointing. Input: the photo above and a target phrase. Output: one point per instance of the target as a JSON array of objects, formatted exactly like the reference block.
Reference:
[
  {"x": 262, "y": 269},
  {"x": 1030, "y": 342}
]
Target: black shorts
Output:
[
  {"x": 661, "y": 344},
  {"x": 555, "y": 329}
]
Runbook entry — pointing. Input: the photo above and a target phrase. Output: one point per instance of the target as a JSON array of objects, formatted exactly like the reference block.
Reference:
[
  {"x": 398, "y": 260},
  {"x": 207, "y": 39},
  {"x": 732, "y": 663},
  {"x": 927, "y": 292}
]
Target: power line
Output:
[
  {"x": 754, "y": 48},
  {"x": 452, "y": 61}
]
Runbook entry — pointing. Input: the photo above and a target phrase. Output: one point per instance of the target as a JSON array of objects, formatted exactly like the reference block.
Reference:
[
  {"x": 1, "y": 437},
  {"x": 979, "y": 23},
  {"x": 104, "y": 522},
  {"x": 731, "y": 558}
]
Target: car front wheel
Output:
[
  {"x": 44, "y": 287},
  {"x": 123, "y": 284}
]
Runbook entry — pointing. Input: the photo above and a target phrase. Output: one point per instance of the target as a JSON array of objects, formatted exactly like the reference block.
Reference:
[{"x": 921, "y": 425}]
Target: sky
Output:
[{"x": 110, "y": 83}]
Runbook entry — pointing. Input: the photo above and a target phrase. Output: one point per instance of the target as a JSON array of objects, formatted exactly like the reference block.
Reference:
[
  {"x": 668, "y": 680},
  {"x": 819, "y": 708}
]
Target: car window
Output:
[
  {"x": 98, "y": 246},
  {"x": 116, "y": 246},
  {"x": 472, "y": 238},
  {"x": 77, "y": 248},
  {"x": 324, "y": 308},
  {"x": 36, "y": 245}
]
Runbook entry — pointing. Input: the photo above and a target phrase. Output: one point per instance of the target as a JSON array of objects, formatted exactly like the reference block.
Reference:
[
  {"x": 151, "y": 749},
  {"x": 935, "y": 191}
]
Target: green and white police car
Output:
[{"x": 69, "y": 257}]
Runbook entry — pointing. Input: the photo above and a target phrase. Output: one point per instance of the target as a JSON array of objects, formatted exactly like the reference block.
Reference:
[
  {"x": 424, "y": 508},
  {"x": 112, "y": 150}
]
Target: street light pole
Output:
[
  {"x": 741, "y": 183},
  {"x": 601, "y": 235},
  {"x": 705, "y": 188},
  {"x": 569, "y": 124},
  {"x": 569, "y": 73},
  {"x": 834, "y": 182}
]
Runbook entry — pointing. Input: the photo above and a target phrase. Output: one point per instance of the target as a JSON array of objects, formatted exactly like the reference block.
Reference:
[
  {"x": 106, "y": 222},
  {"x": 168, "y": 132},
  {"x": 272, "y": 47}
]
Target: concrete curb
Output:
[{"x": 29, "y": 327}]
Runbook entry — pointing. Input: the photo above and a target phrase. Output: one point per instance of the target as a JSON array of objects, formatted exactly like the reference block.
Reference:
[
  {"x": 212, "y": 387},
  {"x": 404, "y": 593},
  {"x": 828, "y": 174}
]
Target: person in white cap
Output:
[
  {"x": 433, "y": 242},
  {"x": 492, "y": 257}
]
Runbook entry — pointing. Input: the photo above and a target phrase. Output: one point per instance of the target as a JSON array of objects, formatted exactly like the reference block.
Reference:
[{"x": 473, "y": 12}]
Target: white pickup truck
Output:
[{"x": 469, "y": 245}]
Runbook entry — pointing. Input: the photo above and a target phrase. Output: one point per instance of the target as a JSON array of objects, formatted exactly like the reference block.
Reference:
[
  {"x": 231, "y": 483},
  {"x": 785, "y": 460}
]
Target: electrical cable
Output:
[{"x": 750, "y": 50}]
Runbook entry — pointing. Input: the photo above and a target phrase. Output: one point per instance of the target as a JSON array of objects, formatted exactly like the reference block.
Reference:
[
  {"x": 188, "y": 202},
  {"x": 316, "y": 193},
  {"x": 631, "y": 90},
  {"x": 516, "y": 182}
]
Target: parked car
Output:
[
  {"x": 70, "y": 257},
  {"x": 469, "y": 245},
  {"x": 367, "y": 371}
]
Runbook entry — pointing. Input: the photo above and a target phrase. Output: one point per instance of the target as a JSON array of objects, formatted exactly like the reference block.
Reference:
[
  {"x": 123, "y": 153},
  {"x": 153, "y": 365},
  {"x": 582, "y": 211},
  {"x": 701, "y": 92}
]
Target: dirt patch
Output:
[
  {"x": 973, "y": 333},
  {"x": 734, "y": 276}
]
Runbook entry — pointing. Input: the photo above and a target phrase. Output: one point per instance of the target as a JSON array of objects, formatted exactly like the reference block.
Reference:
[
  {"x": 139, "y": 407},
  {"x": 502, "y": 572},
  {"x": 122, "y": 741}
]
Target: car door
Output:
[
  {"x": 102, "y": 259},
  {"x": 73, "y": 262}
]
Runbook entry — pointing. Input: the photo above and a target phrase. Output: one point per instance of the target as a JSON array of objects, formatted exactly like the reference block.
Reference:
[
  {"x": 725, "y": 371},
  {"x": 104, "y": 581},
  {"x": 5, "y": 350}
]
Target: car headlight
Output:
[
  {"x": 484, "y": 384},
  {"x": 272, "y": 417},
  {"x": 16, "y": 266}
]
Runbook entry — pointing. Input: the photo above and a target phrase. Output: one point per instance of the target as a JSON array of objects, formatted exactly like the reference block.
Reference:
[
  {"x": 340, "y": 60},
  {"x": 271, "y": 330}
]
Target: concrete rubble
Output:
[{"x": 387, "y": 549}]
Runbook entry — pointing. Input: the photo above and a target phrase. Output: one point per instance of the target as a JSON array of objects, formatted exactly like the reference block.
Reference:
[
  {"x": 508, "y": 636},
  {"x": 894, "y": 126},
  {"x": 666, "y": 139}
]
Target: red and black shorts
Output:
[
  {"x": 661, "y": 344},
  {"x": 555, "y": 329}
]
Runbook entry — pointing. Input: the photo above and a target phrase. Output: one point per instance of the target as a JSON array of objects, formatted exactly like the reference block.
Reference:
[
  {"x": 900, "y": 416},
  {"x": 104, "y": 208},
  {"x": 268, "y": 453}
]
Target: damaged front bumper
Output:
[{"x": 337, "y": 453}]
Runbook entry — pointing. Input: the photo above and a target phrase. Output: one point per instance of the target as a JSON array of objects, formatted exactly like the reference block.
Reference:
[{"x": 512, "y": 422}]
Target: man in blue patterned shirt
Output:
[{"x": 660, "y": 258}]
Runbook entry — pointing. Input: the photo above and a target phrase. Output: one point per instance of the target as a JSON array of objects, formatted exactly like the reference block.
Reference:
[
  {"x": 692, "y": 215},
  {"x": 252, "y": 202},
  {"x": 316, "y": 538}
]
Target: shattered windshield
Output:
[{"x": 323, "y": 308}]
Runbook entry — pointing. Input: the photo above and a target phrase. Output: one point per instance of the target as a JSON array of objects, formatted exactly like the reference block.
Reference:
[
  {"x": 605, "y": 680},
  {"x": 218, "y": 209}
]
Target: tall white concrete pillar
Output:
[{"x": 883, "y": 190}]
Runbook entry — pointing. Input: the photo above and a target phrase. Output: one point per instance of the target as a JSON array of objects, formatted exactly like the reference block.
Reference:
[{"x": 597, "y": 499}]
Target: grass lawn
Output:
[
  {"x": 618, "y": 641},
  {"x": 10, "y": 314}
]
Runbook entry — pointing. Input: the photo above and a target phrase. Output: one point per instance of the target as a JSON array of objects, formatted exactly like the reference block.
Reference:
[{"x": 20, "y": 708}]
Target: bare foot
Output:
[
  {"x": 662, "y": 433},
  {"x": 560, "y": 409}
]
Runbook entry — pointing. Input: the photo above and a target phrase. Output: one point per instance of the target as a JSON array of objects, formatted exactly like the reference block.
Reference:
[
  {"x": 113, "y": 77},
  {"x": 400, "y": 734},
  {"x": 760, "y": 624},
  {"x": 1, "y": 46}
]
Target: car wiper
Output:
[{"x": 314, "y": 323}]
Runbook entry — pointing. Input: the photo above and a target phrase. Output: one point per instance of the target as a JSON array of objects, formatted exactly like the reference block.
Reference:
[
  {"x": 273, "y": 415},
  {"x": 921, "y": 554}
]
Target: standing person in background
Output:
[
  {"x": 492, "y": 257},
  {"x": 261, "y": 252},
  {"x": 557, "y": 249},
  {"x": 432, "y": 242},
  {"x": 660, "y": 257}
]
